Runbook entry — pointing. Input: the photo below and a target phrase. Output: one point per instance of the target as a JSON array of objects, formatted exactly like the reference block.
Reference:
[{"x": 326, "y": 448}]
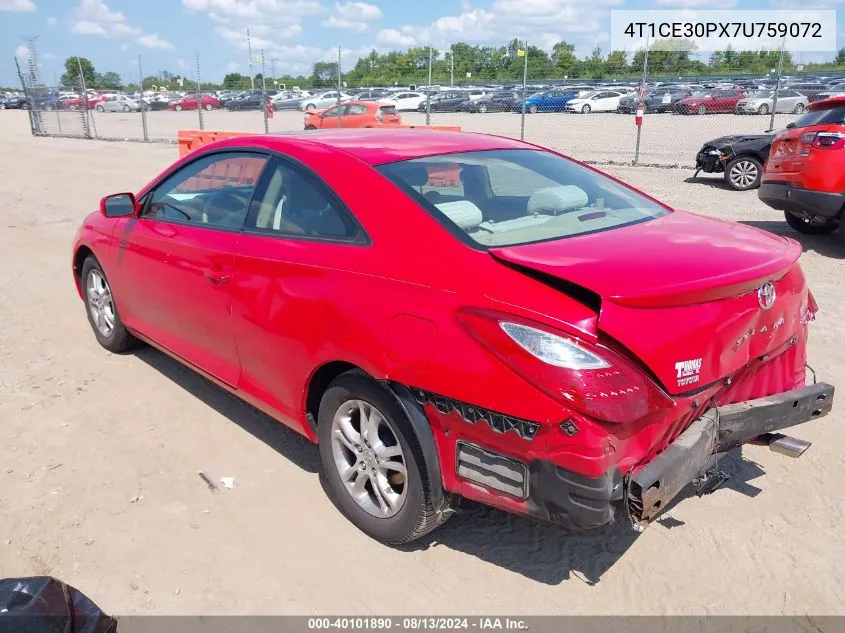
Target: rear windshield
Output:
[
  {"x": 830, "y": 116},
  {"x": 388, "y": 109},
  {"x": 510, "y": 197}
]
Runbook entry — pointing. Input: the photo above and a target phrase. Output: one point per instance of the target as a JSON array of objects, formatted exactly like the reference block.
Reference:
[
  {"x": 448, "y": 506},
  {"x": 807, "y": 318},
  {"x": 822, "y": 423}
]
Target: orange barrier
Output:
[{"x": 189, "y": 140}]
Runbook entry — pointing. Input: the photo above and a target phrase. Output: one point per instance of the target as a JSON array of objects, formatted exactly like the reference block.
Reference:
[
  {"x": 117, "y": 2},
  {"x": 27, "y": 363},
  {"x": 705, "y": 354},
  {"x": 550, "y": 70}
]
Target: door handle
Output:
[{"x": 216, "y": 277}]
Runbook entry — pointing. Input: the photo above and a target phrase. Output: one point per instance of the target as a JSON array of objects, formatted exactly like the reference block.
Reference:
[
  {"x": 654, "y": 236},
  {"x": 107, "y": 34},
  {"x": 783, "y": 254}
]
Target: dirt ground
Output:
[{"x": 99, "y": 457}]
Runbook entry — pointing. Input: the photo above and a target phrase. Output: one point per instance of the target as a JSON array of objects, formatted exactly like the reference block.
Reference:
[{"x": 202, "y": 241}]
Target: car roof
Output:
[{"x": 378, "y": 146}]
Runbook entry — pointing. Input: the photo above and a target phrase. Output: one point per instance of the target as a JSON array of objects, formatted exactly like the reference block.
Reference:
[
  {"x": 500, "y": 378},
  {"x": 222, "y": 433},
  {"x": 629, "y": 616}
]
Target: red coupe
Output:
[
  {"x": 531, "y": 334},
  {"x": 208, "y": 102}
]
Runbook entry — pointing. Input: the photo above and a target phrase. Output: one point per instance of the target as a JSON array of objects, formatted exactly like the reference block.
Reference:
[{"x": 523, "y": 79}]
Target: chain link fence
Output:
[{"x": 593, "y": 121}]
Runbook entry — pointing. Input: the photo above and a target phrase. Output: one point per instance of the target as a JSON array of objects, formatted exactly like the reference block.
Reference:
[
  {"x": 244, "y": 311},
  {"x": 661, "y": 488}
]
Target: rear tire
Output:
[
  {"x": 811, "y": 228},
  {"x": 799, "y": 108},
  {"x": 208, "y": 107},
  {"x": 406, "y": 510},
  {"x": 533, "y": 108},
  {"x": 177, "y": 107},
  {"x": 702, "y": 109},
  {"x": 100, "y": 108},
  {"x": 126, "y": 108},
  {"x": 101, "y": 309}
]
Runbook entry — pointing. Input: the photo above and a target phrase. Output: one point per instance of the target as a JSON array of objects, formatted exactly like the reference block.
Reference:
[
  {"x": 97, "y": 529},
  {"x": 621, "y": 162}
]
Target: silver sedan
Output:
[{"x": 763, "y": 102}]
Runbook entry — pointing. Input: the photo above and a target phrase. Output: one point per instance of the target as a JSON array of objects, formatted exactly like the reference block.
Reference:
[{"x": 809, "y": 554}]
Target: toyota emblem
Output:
[{"x": 766, "y": 295}]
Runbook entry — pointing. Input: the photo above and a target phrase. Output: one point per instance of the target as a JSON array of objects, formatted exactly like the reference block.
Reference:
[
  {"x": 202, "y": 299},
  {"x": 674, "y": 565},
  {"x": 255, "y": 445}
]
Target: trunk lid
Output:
[{"x": 680, "y": 292}]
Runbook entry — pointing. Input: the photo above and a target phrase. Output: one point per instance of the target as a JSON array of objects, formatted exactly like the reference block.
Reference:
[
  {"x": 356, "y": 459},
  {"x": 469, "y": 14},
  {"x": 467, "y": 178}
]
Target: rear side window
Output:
[
  {"x": 830, "y": 116},
  {"x": 292, "y": 203}
]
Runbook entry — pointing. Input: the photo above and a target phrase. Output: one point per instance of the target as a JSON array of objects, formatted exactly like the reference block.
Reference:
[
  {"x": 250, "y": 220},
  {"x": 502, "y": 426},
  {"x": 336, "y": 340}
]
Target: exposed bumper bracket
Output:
[{"x": 692, "y": 456}]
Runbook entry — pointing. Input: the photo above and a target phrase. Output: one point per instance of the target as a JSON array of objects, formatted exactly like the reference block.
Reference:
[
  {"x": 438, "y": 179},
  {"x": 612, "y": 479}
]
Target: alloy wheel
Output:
[
  {"x": 100, "y": 302},
  {"x": 743, "y": 174},
  {"x": 369, "y": 458}
]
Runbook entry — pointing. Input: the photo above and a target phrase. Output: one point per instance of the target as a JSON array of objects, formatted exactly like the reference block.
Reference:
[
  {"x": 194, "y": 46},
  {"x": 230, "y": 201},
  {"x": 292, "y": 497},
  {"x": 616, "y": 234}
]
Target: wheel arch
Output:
[
  {"x": 82, "y": 253},
  {"x": 323, "y": 376}
]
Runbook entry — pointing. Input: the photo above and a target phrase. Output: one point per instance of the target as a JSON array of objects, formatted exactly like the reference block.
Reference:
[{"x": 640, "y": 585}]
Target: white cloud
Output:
[
  {"x": 395, "y": 37},
  {"x": 353, "y": 16},
  {"x": 17, "y": 6},
  {"x": 98, "y": 11},
  {"x": 83, "y": 27},
  {"x": 48, "y": 56},
  {"x": 94, "y": 17},
  {"x": 233, "y": 67},
  {"x": 255, "y": 9},
  {"x": 154, "y": 42},
  {"x": 52, "y": 21},
  {"x": 689, "y": 4},
  {"x": 182, "y": 64},
  {"x": 541, "y": 22},
  {"x": 22, "y": 52}
]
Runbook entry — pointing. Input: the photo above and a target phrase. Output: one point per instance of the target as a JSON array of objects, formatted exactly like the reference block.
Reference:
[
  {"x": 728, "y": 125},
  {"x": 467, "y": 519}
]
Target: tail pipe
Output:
[{"x": 784, "y": 444}]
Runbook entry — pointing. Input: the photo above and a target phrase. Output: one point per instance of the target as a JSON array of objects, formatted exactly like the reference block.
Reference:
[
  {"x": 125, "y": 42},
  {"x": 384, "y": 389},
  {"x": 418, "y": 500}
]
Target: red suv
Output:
[{"x": 805, "y": 174}]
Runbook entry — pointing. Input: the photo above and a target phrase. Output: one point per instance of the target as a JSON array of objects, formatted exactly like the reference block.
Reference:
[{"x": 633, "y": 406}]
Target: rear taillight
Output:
[
  {"x": 829, "y": 140},
  {"x": 589, "y": 378}
]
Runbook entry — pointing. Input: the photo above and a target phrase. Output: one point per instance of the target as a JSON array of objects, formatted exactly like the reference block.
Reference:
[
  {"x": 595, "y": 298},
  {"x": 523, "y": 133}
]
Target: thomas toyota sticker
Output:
[{"x": 688, "y": 371}]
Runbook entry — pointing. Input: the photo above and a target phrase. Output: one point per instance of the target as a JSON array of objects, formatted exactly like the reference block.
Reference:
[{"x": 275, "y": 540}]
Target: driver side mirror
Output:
[{"x": 119, "y": 205}]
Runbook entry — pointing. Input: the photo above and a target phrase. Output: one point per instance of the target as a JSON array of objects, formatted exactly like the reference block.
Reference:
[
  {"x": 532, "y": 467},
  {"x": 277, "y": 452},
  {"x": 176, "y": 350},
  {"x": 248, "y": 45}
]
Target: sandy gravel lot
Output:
[
  {"x": 666, "y": 139},
  {"x": 99, "y": 455}
]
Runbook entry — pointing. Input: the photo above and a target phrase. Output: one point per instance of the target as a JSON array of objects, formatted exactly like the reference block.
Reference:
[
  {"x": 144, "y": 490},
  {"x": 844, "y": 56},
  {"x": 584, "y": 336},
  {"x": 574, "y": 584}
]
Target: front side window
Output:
[
  {"x": 214, "y": 191},
  {"x": 510, "y": 197}
]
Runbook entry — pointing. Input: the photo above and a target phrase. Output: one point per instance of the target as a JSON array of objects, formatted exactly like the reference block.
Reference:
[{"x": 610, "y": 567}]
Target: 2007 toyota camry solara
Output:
[{"x": 454, "y": 315}]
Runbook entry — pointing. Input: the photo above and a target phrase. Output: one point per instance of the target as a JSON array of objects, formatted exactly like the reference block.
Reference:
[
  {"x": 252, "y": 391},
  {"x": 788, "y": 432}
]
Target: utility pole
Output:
[
  {"x": 249, "y": 48},
  {"x": 451, "y": 69}
]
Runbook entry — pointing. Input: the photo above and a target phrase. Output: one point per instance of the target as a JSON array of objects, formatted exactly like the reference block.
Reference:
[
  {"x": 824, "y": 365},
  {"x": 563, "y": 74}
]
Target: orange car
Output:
[{"x": 353, "y": 114}]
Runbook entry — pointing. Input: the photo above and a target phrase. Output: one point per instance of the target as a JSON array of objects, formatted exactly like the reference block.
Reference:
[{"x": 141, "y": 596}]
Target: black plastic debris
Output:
[{"x": 42, "y": 604}]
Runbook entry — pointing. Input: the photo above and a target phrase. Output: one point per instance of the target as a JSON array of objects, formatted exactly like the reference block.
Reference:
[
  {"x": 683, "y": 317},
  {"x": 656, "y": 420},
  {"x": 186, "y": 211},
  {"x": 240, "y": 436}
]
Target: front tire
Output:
[
  {"x": 585, "y": 109},
  {"x": 702, "y": 109},
  {"x": 102, "y": 309},
  {"x": 374, "y": 466},
  {"x": 808, "y": 227},
  {"x": 100, "y": 108},
  {"x": 208, "y": 107},
  {"x": 177, "y": 107},
  {"x": 743, "y": 173},
  {"x": 799, "y": 108},
  {"x": 763, "y": 109},
  {"x": 126, "y": 108}
]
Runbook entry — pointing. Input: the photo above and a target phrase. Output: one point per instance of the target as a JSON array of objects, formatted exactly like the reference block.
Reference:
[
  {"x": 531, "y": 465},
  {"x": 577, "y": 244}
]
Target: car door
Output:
[
  {"x": 297, "y": 235},
  {"x": 786, "y": 100},
  {"x": 353, "y": 115},
  {"x": 177, "y": 259},
  {"x": 328, "y": 119}
]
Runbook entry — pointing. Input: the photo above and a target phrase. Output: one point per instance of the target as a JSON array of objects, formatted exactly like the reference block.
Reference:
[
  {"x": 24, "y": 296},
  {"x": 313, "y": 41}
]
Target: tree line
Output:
[{"x": 465, "y": 63}]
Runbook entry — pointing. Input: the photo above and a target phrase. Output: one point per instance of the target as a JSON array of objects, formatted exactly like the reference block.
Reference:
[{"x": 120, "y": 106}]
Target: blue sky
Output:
[{"x": 296, "y": 33}]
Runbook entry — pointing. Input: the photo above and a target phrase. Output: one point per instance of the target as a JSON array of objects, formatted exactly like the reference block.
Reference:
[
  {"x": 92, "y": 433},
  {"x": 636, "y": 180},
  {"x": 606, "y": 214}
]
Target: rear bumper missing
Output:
[{"x": 688, "y": 459}]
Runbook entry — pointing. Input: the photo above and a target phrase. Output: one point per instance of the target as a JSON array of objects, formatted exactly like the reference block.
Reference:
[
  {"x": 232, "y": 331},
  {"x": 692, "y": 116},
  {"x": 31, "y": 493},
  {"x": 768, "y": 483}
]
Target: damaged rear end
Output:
[{"x": 716, "y": 330}]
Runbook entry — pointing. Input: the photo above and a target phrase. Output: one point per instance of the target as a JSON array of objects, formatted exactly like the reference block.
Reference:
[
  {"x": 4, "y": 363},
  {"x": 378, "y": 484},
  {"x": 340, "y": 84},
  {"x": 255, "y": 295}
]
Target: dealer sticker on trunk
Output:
[{"x": 688, "y": 371}]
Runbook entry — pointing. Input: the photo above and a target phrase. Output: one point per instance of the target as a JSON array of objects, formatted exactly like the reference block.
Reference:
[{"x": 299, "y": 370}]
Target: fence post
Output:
[
  {"x": 199, "y": 93},
  {"x": 777, "y": 86},
  {"x": 428, "y": 94},
  {"x": 640, "y": 98},
  {"x": 339, "y": 86},
  {"x": 144, "y": 127},
  {"x": 264, "y": 96},
  {"x": 88, "y": 124},
  {"x": 524, "y": 85}
]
